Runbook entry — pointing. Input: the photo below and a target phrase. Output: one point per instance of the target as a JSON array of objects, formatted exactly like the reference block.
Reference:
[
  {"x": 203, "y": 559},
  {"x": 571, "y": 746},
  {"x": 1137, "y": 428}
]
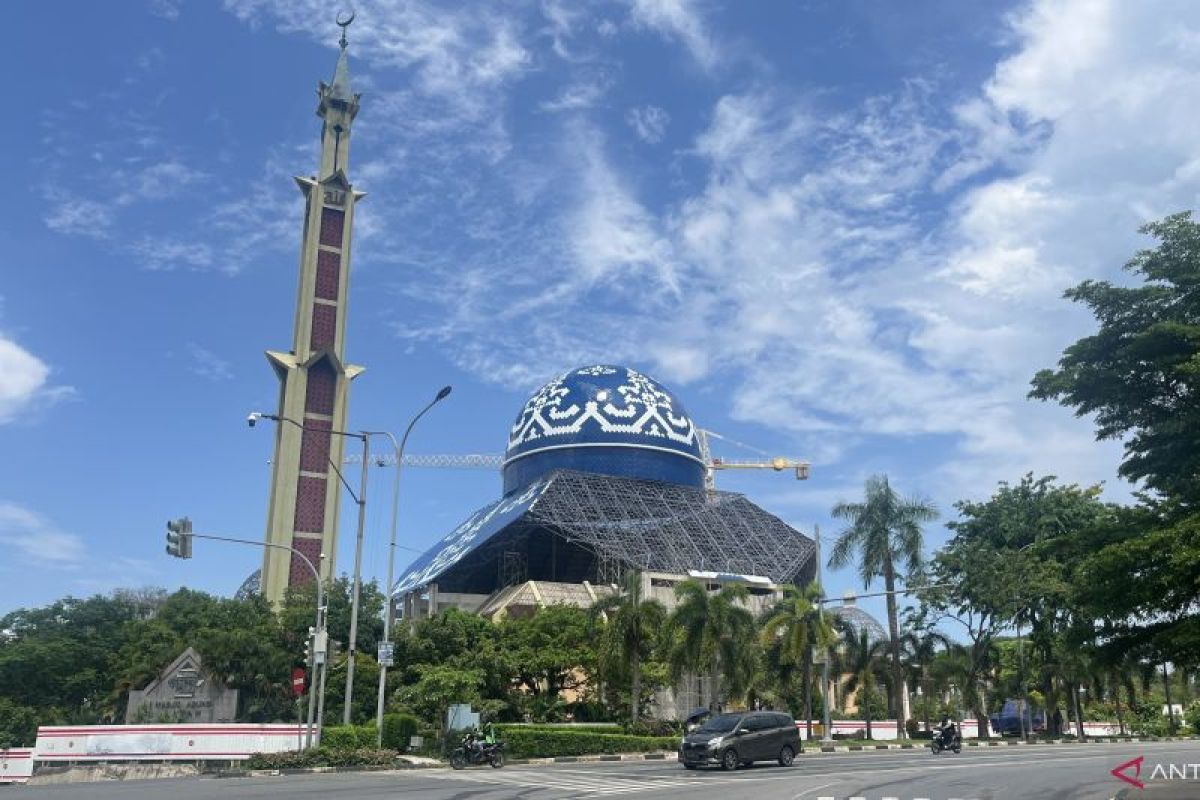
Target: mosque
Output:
[{"x": 605, "y": 471}]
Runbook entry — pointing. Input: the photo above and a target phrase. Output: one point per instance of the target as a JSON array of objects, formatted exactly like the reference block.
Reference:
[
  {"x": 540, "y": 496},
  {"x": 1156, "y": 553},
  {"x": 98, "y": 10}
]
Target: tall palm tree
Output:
[
  {"x": 885, "y": 531},
  {"x": 713, "y": 630},
  {"x": 797, "y": 625},
  {"x": 628, "y": 636},
  {"x": 861, "y": 659}
]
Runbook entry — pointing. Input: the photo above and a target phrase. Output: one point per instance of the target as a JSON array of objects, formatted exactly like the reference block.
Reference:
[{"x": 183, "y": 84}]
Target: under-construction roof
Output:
[{"x": 646, "y": 525}]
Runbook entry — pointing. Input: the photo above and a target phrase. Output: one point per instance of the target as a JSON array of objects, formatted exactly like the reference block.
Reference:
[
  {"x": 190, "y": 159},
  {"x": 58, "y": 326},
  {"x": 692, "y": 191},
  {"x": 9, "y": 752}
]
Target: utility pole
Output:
[
  {"x": 826, "y": 732},
  {"x": 352, "y": 646}
]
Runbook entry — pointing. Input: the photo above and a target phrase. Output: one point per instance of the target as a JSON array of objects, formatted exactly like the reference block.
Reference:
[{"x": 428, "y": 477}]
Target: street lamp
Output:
[
  {"x": 361, "y": 500},
  {"x": 387, "y": 614}
]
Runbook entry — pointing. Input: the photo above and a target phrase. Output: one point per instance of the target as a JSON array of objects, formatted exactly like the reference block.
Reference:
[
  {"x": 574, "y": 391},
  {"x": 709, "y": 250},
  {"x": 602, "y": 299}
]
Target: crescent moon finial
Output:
[{"x": 344, "y": 23}]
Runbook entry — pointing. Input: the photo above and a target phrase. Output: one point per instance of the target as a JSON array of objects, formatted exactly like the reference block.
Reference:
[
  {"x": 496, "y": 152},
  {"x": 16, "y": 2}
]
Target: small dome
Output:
[{"x": 605, "y": 419}]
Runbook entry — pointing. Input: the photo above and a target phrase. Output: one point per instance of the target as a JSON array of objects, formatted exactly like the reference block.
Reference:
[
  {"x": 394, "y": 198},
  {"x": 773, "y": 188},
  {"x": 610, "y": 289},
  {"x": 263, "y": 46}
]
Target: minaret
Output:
[{"x": 314, "y": 378}]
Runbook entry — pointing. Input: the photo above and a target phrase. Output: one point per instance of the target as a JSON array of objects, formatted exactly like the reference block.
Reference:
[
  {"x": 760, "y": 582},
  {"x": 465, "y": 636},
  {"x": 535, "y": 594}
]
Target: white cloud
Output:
[
  {"x": 24, "y": 382},
  {"x": 678, "y": 19},
  {"x": 165, "y": 254},
  {"x": 648, "y": 122},
  {"x": 29, "y": 538},
  {"x": 207, "y": 364},
  {"x": 79, "y": 216},
  {"x": 576, "y": 96}
]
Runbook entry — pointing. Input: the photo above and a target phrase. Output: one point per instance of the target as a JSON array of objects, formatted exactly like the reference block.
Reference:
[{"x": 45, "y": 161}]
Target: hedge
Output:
[
  {"x": 504, "y": 727},
  {"x": 348, "y": 737},
  {"x": 524, "y": 743},
  {"x": 323, "y": 757},
  {"x": 398, "y": 730}
]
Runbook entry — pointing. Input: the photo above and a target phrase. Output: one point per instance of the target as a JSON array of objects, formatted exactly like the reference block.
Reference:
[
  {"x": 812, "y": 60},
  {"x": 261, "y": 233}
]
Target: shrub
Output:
[
  {"x": 1192, "y": 715},
  {"x": 542, "y": 743},
  {"x": 398, "y": 729},
  {"x": 654, "y": 727},
  {"x": 323, "y": 757},
  {"x": 348, "y": 737},
  {"x": 609, "y": 728}
]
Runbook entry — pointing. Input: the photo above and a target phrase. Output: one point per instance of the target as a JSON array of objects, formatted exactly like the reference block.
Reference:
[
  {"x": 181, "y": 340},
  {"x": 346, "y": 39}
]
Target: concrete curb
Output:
[
  {"x": 854, "y": 748},
  {"x": 664, "y": 756}
]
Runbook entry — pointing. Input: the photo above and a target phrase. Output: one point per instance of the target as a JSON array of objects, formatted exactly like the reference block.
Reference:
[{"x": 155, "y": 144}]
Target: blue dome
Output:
[{"x": 605, "y": 419}]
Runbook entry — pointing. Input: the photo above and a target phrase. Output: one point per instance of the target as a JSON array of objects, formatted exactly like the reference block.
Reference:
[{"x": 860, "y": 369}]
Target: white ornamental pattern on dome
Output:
[{"x": 640, "y": 408}]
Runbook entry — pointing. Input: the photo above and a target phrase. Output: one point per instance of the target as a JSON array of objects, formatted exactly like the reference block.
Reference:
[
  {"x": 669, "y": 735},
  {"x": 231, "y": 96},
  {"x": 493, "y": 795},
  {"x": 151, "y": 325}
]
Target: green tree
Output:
[
  {"x": 862, "y": 660},
  {"x": 920, "y": 648},
  {"x": 18, "y": 724},
  {"x": 1139, "y": 374},
  {"x": 712, "y": 630},
  {"x": 798, "y": 626},
  {"x": 632, "y": 625},
  {"x": 884, "y": 531},
  {"x": 551, "y": 650}
]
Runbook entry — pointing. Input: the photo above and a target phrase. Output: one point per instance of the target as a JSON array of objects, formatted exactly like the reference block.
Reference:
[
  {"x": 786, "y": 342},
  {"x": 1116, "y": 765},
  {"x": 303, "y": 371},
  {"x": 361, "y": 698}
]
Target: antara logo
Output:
[
  {"x": 1131, "y": 772},
  {"x": 1136, "y": 764}
]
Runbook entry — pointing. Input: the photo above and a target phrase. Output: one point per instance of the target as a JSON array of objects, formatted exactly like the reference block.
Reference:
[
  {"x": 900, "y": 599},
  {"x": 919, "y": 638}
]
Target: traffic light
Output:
[{"x": 179, "y": 538}]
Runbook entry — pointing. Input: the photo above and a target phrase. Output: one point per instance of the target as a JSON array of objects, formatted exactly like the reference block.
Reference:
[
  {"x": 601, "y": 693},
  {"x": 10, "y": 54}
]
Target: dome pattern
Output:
[{"x": 607, "y": 419}]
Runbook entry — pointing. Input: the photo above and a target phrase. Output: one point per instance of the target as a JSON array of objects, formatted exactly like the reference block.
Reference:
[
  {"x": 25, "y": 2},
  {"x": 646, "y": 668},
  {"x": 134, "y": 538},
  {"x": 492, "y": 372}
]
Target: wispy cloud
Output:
[
  {"x": 648, "y": 122},
  {"x": 207, "y": 364},
  {"x": 31, "y": 539},
  {"x": 681, "y": 20}
]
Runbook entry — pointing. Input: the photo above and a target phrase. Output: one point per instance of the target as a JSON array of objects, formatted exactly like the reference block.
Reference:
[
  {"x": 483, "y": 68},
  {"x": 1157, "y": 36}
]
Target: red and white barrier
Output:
[
  {"x": 16, "y": 765},
  {"x": 223, "y": 742},
  {"x": 885, "y": 730}
]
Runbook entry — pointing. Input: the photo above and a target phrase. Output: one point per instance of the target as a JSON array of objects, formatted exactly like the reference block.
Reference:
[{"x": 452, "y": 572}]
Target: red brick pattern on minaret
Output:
[
  {"x": 322, "y": 384},
  {"x": 324, "y": 327},
  {"x": 310, "y": 504},
  {"x": 299, "y": 573},
  {"x": 314, "y": 446},
  {"x": 333, "y": 222},
  {"x": 329, "y": 267}
]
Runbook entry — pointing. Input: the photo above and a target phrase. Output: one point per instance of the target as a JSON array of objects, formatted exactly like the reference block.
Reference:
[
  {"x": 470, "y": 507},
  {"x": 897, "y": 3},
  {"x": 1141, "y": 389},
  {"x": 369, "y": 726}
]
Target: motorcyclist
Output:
[
  {"x": 489, "y": 734},
  {"x": 946, "y": 730}
]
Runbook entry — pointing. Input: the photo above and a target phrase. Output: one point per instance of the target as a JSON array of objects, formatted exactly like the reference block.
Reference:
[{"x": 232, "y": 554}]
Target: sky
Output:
[{"x": 837, "y": 230}]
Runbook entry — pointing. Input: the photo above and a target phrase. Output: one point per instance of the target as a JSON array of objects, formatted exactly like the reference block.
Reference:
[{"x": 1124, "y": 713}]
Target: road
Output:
[{"x": 1063, "y": 772}]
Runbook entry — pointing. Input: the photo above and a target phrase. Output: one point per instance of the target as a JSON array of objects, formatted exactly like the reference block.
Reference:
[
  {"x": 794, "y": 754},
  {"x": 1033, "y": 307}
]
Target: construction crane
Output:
[
  {"x": 494, "y": 461},
  {"x": 442, "y": 460},
  {"x": 777, "y": 463}
]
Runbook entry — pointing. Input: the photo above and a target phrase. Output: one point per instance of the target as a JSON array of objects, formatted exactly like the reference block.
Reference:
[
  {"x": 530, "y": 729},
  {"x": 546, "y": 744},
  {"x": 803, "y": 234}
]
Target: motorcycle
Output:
[
  {"x": 473, "y": 751},
  {"x": 948, "y": 739}
]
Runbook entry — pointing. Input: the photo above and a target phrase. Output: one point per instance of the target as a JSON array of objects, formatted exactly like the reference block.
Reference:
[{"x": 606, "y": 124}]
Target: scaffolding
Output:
[
  {"x": 663, "y": 527},
  {"x": 578, "y": 526}
]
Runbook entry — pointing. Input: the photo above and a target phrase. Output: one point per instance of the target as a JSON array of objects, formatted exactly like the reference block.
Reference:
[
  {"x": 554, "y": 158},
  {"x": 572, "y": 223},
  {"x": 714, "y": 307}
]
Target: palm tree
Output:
[
  {"x": 628, "y": 635},
  {"x": 797, "y": 625},
  {"x": 861, "y": 660},
  {"x": 713, "y": 630},
  {"x": 885, "y": 531},
  {"x": 920, "y": 650},
  {"x": 970, "y": 667}
]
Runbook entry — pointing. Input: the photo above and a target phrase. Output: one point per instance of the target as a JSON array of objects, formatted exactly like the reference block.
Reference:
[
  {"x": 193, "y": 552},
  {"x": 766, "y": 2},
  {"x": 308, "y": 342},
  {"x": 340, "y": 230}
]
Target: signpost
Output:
[{"x": 386, "y": 654}]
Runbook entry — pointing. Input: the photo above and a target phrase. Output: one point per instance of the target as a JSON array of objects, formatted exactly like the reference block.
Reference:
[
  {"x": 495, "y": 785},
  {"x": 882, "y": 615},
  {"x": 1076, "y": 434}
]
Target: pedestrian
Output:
[{"x": 1058, "y": 722}]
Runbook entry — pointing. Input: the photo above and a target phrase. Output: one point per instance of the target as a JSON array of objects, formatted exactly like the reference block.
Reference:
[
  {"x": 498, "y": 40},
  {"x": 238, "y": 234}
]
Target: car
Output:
[
  {"x": 1008, "y": 721},
  {"x": 739, "y": 739}
]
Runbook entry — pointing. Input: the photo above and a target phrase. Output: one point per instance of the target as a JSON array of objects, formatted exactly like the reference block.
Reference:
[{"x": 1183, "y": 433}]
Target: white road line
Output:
[{"x": 815, "y": 788}]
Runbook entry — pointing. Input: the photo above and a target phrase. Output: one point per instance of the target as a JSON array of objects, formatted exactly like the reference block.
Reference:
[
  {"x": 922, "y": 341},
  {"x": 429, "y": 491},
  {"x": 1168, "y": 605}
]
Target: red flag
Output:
[{"x": 297, "y": 681}]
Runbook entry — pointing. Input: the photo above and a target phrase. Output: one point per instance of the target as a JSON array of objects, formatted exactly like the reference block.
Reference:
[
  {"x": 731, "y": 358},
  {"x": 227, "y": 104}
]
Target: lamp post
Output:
[
  {"x": 387, "y": 614},
  {"x": 826, "y": 732},
  {"x": 361, "y": 500}
]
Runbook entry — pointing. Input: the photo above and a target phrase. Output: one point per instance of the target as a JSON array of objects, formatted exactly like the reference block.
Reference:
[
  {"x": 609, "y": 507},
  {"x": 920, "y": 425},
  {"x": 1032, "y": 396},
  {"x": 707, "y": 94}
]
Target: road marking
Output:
[{"x": 582, "y": 782}]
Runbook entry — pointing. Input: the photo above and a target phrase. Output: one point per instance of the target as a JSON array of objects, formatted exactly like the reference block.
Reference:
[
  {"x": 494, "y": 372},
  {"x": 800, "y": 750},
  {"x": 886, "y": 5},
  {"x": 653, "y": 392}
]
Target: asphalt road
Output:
[{"x": 1063, "y": 772}]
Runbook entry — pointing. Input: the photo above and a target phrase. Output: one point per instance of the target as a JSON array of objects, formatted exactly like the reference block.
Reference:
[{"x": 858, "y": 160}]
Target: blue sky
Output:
[{"x": 839, "y": 230}]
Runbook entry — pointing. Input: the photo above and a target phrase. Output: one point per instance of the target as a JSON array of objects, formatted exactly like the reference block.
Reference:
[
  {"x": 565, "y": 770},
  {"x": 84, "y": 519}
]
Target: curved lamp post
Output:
[{"x": 387, "y": 614}]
